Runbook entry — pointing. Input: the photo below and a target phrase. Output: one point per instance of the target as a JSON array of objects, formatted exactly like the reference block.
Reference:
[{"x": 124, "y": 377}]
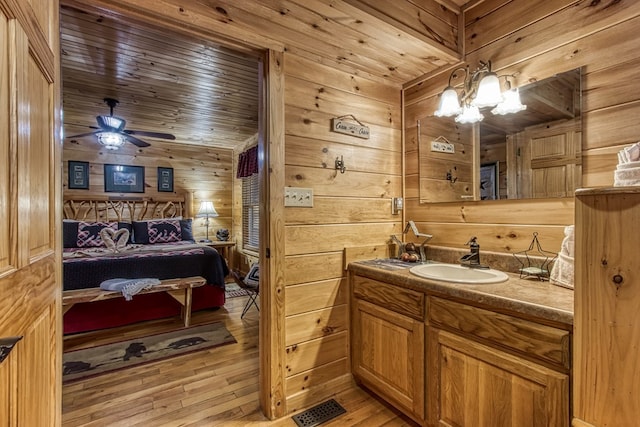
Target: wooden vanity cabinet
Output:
[
  {"x": 487, "y": 369},
  {"x": 448, "y": 363},
  {"x": 387, "y": 343}
]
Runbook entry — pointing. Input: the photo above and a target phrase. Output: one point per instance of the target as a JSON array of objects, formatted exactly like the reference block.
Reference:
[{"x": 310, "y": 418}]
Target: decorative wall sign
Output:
[
  {"x": 78, "y": 175},
  {"x": 165, "y": 179},
  {"x": 344, "y": 124},
  {"x": 123, "y": 179}
]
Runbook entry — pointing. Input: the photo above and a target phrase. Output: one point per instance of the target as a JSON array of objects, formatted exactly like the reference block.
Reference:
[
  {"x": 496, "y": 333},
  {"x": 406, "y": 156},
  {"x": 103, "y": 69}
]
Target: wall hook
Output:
[{"x": 340, "y": 165}]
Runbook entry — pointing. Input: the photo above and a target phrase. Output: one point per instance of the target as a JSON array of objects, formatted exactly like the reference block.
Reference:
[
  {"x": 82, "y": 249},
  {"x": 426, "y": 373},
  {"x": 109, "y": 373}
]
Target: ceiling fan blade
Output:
[
  {"x": 83, "y": 134},
  {"x": 150, "y": 134},
  {"x": 137, "y": 142}
]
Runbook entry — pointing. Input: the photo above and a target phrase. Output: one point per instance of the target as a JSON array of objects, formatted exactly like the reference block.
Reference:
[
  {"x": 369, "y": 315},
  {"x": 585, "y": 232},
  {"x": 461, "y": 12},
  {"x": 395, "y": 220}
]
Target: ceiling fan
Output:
[{"x": 112, "y": 134}]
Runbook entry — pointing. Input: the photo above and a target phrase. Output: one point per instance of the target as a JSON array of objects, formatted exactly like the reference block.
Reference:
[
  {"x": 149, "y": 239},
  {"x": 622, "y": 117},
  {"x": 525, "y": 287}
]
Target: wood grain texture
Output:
[
  {"x": 203, "y": 172},
  {"x": 388, "y": 355},
  {"x": 30, "y": 247},
  {"x": 605, "y": 371},
  {"x": 212, "y": 387},
  {"x": 553, "y": 38},
  {"x": 528, "y": 339},
  {"x": 481, "y": 386},
  {"x": 404, "y": 301}
]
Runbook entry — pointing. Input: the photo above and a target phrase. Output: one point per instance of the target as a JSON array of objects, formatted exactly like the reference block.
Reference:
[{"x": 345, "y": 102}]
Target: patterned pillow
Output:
[
  {"x": 89, "y": 233},
  {"x": 164, "y": 231}
]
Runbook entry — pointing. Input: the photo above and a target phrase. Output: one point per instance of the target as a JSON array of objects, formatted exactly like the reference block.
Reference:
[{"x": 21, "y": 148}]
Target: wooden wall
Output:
[
  {"x": 535, "y": 40},
  {"x": 203, "y": 171},
  {"x": 349, "y": 209}
]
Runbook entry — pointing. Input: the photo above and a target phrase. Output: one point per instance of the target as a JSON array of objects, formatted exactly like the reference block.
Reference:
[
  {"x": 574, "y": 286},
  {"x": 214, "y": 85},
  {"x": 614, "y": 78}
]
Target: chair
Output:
[{"x": 251, "y": 288}]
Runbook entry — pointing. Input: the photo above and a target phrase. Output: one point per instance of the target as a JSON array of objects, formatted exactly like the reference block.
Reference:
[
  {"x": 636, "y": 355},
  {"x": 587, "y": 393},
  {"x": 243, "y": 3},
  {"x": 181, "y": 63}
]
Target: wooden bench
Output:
[{"x": 179, "y": 289}]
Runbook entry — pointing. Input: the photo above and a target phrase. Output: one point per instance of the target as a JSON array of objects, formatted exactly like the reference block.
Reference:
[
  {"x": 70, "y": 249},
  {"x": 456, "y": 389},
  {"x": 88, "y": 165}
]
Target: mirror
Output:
[{"x": 535, "y": 153}]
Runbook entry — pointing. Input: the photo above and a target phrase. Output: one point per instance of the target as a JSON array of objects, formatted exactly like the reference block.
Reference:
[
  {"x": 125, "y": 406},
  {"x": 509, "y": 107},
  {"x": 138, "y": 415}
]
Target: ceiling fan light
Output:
[
  {"x": 488, "y": 92},
  {"x": 449, "y": 103},
  {"x": 111, "y": 140},
  {"x": 510, "y": 104},
  {"x": 470, "y": 114}
]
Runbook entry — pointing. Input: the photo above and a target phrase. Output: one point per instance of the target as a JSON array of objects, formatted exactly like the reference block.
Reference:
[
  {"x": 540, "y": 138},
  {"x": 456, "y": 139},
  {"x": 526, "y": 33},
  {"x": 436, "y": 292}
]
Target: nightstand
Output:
[{"x": 224, "y": 247}]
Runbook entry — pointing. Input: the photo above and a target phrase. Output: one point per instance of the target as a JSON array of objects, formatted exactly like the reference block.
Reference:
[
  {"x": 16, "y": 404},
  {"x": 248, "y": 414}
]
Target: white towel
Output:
[{"x": 128, "y": 287}]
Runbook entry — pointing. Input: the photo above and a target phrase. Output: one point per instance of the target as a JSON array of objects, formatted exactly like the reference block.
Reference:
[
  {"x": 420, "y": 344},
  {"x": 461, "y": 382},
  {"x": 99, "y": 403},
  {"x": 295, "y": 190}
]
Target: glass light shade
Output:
[
  {"x": 111, "y": 140},
  {"x": 510, "y": 104},
  {"x": 488, "y": 92},
  {"x": 206, "y": 210},
  {"x": 449, "y": 103},
  {"x": 470, "y": 114}
]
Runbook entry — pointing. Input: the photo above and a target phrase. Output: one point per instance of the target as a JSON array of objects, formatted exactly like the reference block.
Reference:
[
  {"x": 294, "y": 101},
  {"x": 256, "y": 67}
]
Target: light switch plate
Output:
[{"x": 298, "y": 197}]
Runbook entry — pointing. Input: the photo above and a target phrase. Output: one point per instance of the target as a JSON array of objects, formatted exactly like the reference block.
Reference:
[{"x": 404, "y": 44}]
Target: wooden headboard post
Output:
[
  {"x": 117, "y": 208},
  {"x": 188, "y": 205}
]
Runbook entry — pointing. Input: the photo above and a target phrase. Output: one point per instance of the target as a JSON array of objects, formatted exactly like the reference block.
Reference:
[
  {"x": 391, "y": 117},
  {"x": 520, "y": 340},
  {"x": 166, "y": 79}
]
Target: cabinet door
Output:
[
  {"x": 474, "y": 385},
  {"x": 388, "y": 355}
]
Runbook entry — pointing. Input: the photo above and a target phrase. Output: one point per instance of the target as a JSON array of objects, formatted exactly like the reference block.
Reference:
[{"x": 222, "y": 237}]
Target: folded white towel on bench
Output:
[{"x": 128, "y": 287}]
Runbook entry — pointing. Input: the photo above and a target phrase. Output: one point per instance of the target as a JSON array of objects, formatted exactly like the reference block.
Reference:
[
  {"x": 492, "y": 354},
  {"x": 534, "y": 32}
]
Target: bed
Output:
[{"x": 145, "y": 238}]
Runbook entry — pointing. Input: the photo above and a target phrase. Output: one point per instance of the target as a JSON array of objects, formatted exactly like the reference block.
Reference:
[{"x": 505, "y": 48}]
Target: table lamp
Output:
[{"x": 206, "y": 210}]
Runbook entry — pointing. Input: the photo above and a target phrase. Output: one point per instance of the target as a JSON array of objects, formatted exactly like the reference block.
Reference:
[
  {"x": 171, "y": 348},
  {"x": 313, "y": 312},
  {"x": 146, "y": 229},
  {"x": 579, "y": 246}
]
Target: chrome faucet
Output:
[{"x": 472, "y": 259}]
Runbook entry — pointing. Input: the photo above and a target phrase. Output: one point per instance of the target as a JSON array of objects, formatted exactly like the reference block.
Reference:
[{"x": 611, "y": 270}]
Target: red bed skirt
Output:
[{"x": 118, "y": 312}]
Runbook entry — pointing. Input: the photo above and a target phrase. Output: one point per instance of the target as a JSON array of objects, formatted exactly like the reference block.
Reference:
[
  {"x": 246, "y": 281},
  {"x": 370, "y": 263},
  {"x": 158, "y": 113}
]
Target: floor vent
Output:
[{"x": 319, "y": 414}]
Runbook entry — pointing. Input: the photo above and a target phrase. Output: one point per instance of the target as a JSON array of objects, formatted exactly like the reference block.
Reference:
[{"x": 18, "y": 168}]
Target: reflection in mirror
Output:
[{"x": 535, "y": 153}]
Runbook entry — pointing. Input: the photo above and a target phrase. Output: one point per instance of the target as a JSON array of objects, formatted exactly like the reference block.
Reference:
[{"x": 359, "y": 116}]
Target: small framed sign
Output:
[
  {"x": 345, "y": 125},
  {"x": 123, "y": 179},
  {"x": 165, "y": 179},
  {"x": 78, "y": 175}
]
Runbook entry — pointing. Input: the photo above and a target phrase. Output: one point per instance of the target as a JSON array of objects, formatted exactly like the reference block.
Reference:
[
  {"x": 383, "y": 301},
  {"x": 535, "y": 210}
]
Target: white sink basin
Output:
[{"x": 458, "y": 274}]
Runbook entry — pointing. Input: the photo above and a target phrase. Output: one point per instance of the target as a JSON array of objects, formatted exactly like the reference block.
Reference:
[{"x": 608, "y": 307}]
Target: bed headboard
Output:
[{"x": 103, "y": 208}]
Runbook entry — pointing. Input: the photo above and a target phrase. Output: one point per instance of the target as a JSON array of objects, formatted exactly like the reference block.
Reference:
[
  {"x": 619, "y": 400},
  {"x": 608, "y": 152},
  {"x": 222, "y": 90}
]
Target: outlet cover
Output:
[{"x": 298, "y": 197}]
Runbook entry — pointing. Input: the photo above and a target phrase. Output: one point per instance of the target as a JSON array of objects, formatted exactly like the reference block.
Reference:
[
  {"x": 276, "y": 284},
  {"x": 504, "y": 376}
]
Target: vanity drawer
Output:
[
  {"x": 546, "y": 343},
  {"x": 404, "y": 301}
]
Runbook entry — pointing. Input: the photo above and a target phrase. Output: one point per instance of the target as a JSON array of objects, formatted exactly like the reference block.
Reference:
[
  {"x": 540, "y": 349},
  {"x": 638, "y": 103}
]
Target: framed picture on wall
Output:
[
  {"x": 123, "y": 179},
  {"x": 78, "y": 175},
  {"x": 165, "y": 179}
]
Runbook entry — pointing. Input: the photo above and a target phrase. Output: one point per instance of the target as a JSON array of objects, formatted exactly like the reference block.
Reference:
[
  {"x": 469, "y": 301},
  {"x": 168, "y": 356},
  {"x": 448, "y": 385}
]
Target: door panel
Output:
[{"x": 30, "y": 252}]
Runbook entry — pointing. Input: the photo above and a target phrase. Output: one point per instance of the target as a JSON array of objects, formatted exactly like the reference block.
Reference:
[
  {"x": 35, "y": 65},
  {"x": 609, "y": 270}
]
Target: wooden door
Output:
[
  {"x": 30, "y": 264},
  {"x": 550, "y": 160},
  {"x": 477, "y": 386}
]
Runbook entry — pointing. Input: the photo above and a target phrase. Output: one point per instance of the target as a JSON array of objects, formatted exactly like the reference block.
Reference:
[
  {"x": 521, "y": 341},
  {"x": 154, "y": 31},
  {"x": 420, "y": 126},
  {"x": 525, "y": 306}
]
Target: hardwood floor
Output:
[{"x": 217, "y": 387}]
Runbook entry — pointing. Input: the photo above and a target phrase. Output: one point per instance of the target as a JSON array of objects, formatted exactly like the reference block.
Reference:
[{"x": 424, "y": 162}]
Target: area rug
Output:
[
  {"x": 84, "y": 363},
  {"x": 232, "y": 290}
]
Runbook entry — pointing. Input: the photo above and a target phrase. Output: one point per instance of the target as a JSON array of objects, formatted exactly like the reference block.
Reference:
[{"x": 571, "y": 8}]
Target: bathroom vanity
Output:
[{"x": 452, "y": 354}]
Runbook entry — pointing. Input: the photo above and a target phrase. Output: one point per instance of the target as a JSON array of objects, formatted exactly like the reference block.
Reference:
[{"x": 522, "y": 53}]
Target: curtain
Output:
[{"x": 248, "y": 163}]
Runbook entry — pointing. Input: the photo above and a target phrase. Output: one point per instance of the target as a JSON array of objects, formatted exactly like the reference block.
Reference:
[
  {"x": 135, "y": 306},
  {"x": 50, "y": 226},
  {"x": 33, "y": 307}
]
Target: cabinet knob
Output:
[{"x": 618, "y": 279}]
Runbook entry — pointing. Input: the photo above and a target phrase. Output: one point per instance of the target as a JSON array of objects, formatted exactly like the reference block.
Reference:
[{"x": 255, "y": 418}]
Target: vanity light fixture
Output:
[{"x": 481, "y": 90}]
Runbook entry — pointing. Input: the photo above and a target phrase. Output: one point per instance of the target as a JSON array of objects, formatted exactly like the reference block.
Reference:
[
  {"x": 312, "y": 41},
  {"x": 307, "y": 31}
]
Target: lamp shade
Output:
[
  {"x": 206, "y": 210},
  {"x": 111, "y": 140},
  {"x": 488, "y": 92},
  {"x": 449, "y": 103},
  {"x": 510, "y": 104},
  {"x": 470, "y": 114}
]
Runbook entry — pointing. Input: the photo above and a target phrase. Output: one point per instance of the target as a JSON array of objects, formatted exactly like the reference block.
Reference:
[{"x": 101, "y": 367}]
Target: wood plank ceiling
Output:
[{"x": 207, "y": 94}]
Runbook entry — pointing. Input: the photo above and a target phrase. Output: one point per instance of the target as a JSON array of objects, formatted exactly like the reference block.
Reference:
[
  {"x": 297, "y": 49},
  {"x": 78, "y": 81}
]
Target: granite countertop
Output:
[{"x": 530, "y": 297}]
